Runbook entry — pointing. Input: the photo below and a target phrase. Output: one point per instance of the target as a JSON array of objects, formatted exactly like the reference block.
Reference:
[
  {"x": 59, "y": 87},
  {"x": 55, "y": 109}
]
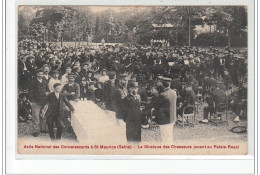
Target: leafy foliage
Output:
[{"x": 134, "y": 24}]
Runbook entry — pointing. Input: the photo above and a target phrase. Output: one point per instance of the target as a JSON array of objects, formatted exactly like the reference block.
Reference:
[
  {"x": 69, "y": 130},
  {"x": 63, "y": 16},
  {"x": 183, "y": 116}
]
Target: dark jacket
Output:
[
  {"x": 99, "y": 95},
  {"x": 56, "y": 109},
  {"x": 48, "y": 80},
  {"x": 91, "y": 95},
  {"x": 219, "y": 96},
  {"x": 72, "y": 92},
  {"x": 132, "y": 117},
  {"x": 166, "y": 107},
  {"x": 37, "y": 91},
  {"x": 83, "y": 90},
  {"x": 57, "y": 106},
  {"x": 109, "y": 95},
  {"x": 190, "y": 98},
  {"x": 77, "y": 78},
  {"x": 21, "y": 65},
  {"x": 120, "y": 94},
  {"x": 176, "y": 84}
]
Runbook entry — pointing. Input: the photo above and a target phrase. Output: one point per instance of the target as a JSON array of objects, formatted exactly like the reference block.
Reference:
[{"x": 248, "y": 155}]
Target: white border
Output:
[{"x": 174, "y": 164}]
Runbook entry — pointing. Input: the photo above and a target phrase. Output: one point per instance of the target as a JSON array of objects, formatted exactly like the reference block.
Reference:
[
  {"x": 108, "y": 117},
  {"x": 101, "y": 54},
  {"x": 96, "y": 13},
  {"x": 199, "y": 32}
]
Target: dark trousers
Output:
[
  {"x": 208, "y": 110},
  {"x": 51, "y": 120},
  {"x": 110, "y": 104},
  {"x": 240, "y": 107},
  {"x": 23, "y": 81},
  {"x": 221, "y": 71}
]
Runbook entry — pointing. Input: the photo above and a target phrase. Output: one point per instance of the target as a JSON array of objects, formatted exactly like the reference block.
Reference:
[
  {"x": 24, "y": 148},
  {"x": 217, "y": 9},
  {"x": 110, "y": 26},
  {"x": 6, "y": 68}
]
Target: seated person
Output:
[
  {"x": 217, "y": 96},
  {"x": 189, "y": 99},
  {"x": 240, "y": 102}
]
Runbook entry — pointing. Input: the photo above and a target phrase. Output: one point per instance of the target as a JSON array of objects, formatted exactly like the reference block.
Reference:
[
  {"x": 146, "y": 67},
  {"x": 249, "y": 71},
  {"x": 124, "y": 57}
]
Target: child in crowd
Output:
[
  {"x": 83, "y": 88},
  {"x": 24, "y": 108},
  {"x": 99, "y": 93},
  {"x": 91, "y": 92}
]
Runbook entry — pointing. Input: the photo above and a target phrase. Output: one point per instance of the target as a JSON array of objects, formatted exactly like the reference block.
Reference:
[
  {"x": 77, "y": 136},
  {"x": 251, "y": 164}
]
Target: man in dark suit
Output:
[
  {"x": 176, "y": 84},
  {"x": 120, "y": 94},
  {"x": 189, "y": 99},
  {"x": 22, "y": 73},
  {"x": 55, "y": 112},
  {"x": 133, "y": 114},
  {"x": 71, "y": 89},
  {"x": 217, "y": 96},
  {"x": 166, "y": 110},
  {"x": 37, "y": 95},
  {"x": 31, "y": 67},
  {"x": 109, "y": 92},
  {"x": 240, "y": 101},
  {"x": 46, "y": 70}
]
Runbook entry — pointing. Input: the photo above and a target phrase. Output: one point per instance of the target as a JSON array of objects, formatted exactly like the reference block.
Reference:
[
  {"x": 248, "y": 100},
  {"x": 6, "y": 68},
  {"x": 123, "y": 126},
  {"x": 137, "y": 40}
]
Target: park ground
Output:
[{"x": 209, "y": 132}]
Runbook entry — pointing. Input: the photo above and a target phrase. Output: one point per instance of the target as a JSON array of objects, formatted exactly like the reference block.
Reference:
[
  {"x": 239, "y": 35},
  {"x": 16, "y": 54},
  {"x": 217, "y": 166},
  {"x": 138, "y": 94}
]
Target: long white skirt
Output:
[{"x": 92, "y": 124}]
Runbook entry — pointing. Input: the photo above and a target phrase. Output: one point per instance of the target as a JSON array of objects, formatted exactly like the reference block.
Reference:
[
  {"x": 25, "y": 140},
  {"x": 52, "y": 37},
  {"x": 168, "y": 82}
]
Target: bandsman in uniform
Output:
[{"x": 166, "y": 110}]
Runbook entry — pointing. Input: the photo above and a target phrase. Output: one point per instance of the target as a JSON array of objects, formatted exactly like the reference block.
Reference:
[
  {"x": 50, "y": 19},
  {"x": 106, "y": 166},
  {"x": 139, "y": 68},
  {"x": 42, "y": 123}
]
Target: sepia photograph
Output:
[{"x": 132, "y": 80}]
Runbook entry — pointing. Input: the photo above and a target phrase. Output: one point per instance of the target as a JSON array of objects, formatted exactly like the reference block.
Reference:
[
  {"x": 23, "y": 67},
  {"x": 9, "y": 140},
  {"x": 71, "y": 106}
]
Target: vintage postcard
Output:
[{"x": 132, "y": 80}]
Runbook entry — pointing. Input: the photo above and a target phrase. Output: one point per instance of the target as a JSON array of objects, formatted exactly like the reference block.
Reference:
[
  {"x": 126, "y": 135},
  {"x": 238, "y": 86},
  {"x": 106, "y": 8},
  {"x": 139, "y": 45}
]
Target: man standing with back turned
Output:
[{"x": 166, "y": 110}]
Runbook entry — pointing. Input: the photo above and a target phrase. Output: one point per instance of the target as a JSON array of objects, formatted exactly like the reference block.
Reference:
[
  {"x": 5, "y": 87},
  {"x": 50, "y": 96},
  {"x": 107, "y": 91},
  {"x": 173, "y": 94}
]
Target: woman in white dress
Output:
[{"x": 104, "y": 77}]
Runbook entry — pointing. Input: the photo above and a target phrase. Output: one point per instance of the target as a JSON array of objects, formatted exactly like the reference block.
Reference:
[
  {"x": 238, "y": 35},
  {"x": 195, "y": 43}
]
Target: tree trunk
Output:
[
  {"x": 79, "y": 38},
  {"x": 189, "y": 33},
  {"x": 228, "y": 38},
  {"x": 176, "y": 38},
  {"x": 61, "y": 40}
]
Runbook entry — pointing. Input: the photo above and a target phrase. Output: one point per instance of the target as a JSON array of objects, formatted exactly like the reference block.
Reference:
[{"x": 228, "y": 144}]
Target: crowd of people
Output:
[{"x": 143, "y": 85}]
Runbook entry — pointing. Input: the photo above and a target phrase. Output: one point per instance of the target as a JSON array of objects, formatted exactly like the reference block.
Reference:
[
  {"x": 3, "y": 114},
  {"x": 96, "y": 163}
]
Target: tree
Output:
[
  {"x": 229, "y": 20},
  {"x": 25, "y": 15}
]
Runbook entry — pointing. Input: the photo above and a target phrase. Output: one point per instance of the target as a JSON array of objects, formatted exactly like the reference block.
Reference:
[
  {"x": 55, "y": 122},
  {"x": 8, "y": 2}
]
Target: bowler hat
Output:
[
  {"x": 39, "y": 70},
  {"x": 123, "y": 75},
  {"x": 55, "y": 72},
  {"x": 112, "y": 73},
  {"x": 104, "y": 70},
  {"x": 71, "y": 75},
  {"x": 46, "y": 65},
  {"x": 56, "y": 84},
  {"x": 166, "y": 79},
  {"x": 132, "y": 84},
  {"x": 85, "y": 64}
]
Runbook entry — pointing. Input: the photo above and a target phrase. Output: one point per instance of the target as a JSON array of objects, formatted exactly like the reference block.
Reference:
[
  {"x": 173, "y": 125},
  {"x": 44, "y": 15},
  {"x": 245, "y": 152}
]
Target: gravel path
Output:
[{"x": 200, "y": 131}]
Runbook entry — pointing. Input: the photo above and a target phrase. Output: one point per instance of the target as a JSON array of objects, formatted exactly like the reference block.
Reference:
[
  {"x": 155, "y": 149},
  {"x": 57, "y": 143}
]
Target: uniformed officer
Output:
[{"x": 166, "y": 110}]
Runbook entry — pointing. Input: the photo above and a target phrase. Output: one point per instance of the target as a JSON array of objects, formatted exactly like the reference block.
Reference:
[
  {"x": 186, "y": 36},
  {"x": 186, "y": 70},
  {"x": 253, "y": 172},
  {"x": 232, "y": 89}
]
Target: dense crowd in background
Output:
[{"x": 218, "y": 74}]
